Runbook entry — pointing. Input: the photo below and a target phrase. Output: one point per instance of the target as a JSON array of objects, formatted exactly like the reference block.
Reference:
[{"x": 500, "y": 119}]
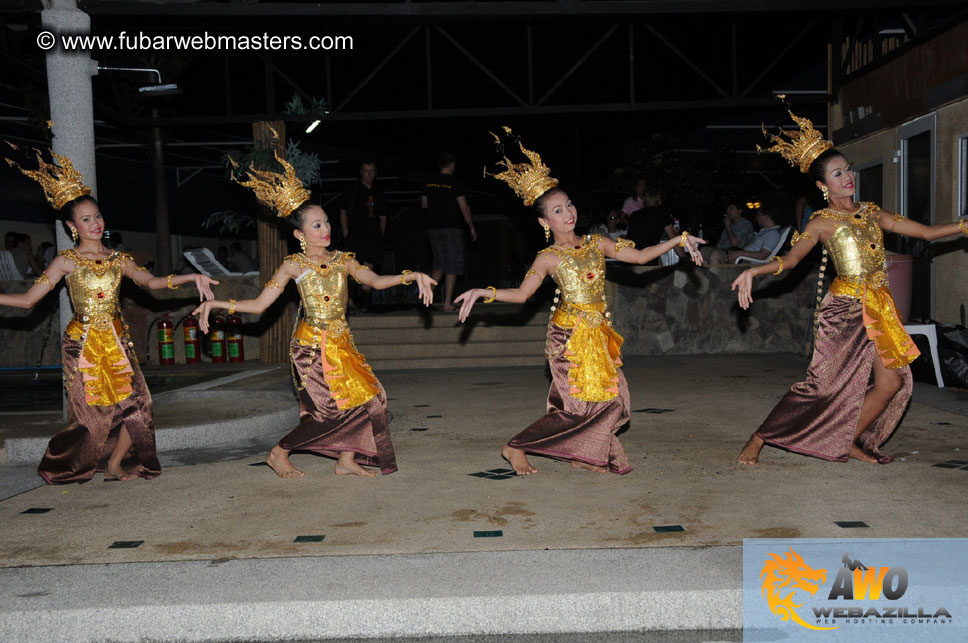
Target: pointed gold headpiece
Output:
[
  {"x": 281, "y": 192},
  {"x": 803, "y": 147},
  {"x": 60, "y": 181},
  {"x": 528, "y": 180}
]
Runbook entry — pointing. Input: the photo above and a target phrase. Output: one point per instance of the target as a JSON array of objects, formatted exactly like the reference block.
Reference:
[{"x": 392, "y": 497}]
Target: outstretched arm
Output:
[
  {"x": 141, "y": 276},
  {"x": 365, "y": 275},
  {"x": 625, "y": 251},
  {"x": 42, "y": 285},
  {"x": 540, "y": 269},
  {"x": 743, "y": 284},
  {"x": 900, "y": 225},
  {"x": 269, "y": 294}
]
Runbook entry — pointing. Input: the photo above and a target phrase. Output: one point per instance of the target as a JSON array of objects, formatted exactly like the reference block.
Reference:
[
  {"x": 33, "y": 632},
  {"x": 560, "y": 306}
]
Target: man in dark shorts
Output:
[
  {"x": 447, "y": 213},
  {"x": 363, "y": 217}
]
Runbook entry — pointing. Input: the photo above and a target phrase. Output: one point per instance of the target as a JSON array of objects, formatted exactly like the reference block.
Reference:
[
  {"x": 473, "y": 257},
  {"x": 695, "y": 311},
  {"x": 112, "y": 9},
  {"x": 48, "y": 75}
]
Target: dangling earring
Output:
[
  {"x": 826, "y": 194},
  {"x": 74, "y": 235},
  {"x": 547, "y": 232},
  {"x": 302, "y": 244}
]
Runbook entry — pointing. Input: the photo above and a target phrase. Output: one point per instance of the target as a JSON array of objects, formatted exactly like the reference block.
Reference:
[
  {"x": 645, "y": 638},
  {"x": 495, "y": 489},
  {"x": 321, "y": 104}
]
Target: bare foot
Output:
[
  {"x": 449, "y": 308},
  {"x": 575, "y": 464},
  {"x": 348, "y": 466},
  {"x": 115, "y": 472},
  {"x": 858, "y": 454},
  {"x": 278, "y": 461},
  {"x": 751, "y": 452},
  {"x": 518, "y": 460}
]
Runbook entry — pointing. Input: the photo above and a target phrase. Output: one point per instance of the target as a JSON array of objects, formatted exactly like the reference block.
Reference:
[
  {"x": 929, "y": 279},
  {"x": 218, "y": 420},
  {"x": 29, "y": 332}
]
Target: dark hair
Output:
[
  {"x": 540, "y": 201},
  {"x": 366, "y": 162},
  {"x": 297, "y": 217},
  {"x": 818, "y": 168},
  {"x": 445, "y": 159},
  {"x": 67, "y": 210}
]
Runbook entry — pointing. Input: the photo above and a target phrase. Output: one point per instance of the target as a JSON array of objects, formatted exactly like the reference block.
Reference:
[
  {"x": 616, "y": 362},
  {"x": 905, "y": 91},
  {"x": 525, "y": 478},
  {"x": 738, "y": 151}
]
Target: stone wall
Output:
[
  {"x": 23, "y": 333},
  {"x": 685, "y": 310}
]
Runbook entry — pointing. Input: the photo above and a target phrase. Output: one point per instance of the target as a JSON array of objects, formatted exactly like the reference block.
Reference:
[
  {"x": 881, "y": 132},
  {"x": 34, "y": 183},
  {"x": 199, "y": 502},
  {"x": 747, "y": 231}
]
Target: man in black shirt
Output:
[
  {"x": 447, "y": 213},
  {"x": 363, "y": 217}
]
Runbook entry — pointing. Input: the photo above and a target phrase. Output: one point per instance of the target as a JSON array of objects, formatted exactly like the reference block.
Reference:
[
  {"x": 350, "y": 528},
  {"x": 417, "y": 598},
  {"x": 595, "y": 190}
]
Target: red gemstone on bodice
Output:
[
  {"x": 591, "y": 275},
  {"x": 100, "y": 295}
]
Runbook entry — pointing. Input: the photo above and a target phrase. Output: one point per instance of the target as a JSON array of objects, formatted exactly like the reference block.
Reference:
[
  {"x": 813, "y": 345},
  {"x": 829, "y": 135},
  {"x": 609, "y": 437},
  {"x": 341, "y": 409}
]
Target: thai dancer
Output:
[
  {"x": 858, "y": 382},
  {"x": 342, "y": 404},
  {"x": 589, "y": 398},
  {"x": 109, "y": 423}
]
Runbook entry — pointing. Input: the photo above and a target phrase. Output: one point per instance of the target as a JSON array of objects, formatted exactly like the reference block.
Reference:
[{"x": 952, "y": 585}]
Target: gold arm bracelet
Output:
[
  {"x": 232, "y": 306},
  {"x": 44, "y": 279},
  {"x": 403, "y": 277},
  {"x": 961, "y": 224},
  {"x": 778, "y": 261},
  {"x": 490, "y": 300},
  {"x": 170, "y": 286},
  {"x": 272, "y": 283},
  {"x": 682, "y": 239}
]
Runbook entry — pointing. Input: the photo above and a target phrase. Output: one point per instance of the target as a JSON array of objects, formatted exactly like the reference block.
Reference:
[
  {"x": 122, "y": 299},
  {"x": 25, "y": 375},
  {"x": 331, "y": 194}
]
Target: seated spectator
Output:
[
  {"x": 46, "y": 253},
  {"x": 239, "y": 259},
  {"x": 637, "y": 200},
  {"x": 760, "y": 247},
  {"x": 614, "y": 227},
  {"x": 648, "y": 224},
  {"x": 737, "y": 232},
  {"x": 19, "y": 245}
]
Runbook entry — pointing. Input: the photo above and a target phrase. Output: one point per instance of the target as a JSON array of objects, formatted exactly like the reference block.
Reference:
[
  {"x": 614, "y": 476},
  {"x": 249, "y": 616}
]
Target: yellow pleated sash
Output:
[
  {"x": 894, "y": 346},
  {"x": 593, "y": 349},
  {"x": 350, "y": 379},
  {"x": 103, "y": 364}
]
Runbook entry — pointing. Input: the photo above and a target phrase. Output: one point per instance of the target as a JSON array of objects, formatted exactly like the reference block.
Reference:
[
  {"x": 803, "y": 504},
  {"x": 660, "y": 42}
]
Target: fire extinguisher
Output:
[
  {"x": 233, "y": 333},
  {"x": 193, "y": 353},
  {"x": 166, "y": 341},
  {"x": 217, "y": 338}
]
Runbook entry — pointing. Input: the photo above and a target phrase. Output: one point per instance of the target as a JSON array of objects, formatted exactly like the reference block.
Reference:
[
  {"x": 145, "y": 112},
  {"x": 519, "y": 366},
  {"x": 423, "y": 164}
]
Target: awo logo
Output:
[{"x": 784, "y": 576}]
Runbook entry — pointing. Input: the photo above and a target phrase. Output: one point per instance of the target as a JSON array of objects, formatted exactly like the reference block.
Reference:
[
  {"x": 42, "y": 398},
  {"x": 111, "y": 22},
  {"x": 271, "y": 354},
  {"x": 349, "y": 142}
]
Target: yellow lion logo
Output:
[{"x": 790, "y": 572}]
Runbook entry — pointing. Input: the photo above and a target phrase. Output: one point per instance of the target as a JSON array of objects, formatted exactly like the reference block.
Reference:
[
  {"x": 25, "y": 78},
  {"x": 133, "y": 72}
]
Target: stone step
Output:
[
  {"x": 447, "y": 335},
  {"x": 454, "y": 349},
  {"x": 394, "y": 364},
  {"x": 491, "y": 315}
]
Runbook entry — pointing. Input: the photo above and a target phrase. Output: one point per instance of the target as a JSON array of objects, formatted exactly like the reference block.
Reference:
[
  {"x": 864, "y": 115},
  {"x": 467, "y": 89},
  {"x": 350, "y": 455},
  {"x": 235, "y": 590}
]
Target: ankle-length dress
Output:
[
  {"x": 588, "y": 401},
  {"x": 858, "y": 324},
  {"x": 342, "y": 405},
  {"x": 105, "y": 387}
]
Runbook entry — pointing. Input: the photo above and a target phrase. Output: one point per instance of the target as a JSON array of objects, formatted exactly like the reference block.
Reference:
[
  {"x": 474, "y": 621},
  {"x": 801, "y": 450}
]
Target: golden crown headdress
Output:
[
  {"x": 803, "y": 147},
  {"x": 528, "y": 180},
  {"x": 281, "y": 192},
  {"x": 60, "y": 181}
]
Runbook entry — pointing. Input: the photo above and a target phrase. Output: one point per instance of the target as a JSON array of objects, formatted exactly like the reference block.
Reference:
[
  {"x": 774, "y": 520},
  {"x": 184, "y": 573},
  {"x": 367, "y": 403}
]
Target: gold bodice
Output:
[
  {"x": 94, "y": 285},
  {"x": 857, "y": 244},
  {"x": 322, "y": 287},
  {"x": 580, "y": 273}
]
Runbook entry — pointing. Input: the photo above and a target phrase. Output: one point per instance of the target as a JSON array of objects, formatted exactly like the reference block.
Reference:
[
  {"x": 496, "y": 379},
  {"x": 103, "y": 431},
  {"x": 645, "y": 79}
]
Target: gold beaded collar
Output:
[{"x": 97, "y": 266}]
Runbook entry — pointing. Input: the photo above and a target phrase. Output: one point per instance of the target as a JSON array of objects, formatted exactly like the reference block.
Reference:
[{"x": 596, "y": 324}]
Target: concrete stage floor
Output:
[{"x": 692, "y": 414}]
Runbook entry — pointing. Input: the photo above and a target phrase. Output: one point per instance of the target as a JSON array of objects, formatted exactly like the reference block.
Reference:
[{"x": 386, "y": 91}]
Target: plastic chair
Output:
[
  {"x": 206, "y": 263},
  {"x": 8, "y": 269},
  {"x": 784, "y": 233},
  {"x": 929, "y": 331}
]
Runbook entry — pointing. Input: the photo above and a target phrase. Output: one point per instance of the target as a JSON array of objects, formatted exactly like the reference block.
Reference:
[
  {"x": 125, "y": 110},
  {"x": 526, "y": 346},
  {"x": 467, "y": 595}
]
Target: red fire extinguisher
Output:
[
  {"x": 217, "y": 338},
  {"x": 233, "y": 333},
  {"x": 193, "y": 353},
  {"x": 166, "y": 341}
]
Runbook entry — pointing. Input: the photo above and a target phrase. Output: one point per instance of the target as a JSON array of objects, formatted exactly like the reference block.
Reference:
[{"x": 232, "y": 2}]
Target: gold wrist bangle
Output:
[
  {"x": 961, "y": 224},
  {"x": 231, "y": 306},
  {"x": 170, "y": 285},
  {"x": 682, "y": 239},
  {"x": 403, "y": 277},
  {"x": 490, "y": 300},
  {"x": 779, "y": 262}
]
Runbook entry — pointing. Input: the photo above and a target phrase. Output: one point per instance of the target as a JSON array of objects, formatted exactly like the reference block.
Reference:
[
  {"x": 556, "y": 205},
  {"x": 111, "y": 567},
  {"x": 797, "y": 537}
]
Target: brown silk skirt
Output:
[
  {"x": 574, "y": 429},
  {"x": 324, "y": 428},
  {"x": 83, "y": 448},
  {"x": 818, "y": 417}
]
